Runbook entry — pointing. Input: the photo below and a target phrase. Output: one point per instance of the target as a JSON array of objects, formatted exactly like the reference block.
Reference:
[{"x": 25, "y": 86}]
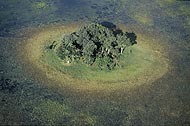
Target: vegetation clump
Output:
[
  {"x": 94, "y": 44},
  {"x": 7, "y": 84}
]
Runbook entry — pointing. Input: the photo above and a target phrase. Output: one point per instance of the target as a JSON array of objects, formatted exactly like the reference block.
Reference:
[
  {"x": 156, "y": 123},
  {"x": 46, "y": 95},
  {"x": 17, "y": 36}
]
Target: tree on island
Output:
[{"x": 94, "y": 44}]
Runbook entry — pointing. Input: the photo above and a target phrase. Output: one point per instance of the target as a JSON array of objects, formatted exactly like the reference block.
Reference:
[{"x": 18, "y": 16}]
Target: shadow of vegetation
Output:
[
  {"x": 133, "y": 37},
  {"x": 108, "y": 24}
]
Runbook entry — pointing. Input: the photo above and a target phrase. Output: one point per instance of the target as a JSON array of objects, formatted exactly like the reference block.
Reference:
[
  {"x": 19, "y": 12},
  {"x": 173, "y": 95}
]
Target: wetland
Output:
[{"x": 150, "y": 89}]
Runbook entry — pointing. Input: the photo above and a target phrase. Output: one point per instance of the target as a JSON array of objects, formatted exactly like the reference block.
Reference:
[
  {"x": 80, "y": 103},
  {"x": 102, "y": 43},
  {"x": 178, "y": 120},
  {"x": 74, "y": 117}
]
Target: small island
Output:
[{"x": 95, "y": 45}]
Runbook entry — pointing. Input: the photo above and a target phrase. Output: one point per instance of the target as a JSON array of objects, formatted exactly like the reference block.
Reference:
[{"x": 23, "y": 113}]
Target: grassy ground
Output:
[
  {"x": 146, "y": 64},
  {"x": 133, "y": 65}
]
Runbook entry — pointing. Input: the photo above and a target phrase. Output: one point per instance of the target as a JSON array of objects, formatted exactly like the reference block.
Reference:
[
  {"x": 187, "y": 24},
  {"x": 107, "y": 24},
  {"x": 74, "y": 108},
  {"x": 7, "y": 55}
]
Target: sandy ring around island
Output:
[{"x": 31, "y": 50}]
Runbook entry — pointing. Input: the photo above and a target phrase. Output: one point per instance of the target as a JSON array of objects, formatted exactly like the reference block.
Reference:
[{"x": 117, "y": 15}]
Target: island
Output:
[{"x": 95, "y": 45}]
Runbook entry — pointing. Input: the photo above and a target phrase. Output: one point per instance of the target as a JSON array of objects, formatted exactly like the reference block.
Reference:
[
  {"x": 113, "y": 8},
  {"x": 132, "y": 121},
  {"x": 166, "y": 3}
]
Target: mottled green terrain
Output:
[{"x": 29, "y": 97}]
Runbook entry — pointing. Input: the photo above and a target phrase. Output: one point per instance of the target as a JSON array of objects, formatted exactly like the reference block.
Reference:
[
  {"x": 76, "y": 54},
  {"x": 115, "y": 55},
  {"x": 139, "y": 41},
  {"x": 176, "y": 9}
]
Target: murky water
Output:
[{"x": 166, "y": 101}]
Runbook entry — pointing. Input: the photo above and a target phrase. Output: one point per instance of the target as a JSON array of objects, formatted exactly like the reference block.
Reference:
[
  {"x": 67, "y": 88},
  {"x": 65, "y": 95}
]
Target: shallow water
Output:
[{"x": 166, "y": 101}]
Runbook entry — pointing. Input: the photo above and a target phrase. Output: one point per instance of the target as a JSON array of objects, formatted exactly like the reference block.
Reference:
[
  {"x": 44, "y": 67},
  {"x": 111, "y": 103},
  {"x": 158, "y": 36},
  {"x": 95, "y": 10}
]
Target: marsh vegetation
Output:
[{"x": 150, "y": 86}]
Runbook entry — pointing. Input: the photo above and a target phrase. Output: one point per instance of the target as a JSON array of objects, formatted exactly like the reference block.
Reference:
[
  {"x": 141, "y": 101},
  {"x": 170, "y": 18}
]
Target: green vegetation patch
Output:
[
  {"x": 95, "y": 45},
  {"x": 144, "y": 19},
  {"x": 54, "y": 113},
  {"x": 134, "y": 61},
  {"x": 40, "y": 5},
  {"x": 50, "y": 112},
  {"x": 163, "y": 3}
]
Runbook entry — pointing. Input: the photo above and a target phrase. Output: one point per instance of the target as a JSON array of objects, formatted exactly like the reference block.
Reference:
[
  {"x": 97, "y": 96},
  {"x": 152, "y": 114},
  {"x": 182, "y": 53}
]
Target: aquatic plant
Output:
[{"x": 40, "y": 5}]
